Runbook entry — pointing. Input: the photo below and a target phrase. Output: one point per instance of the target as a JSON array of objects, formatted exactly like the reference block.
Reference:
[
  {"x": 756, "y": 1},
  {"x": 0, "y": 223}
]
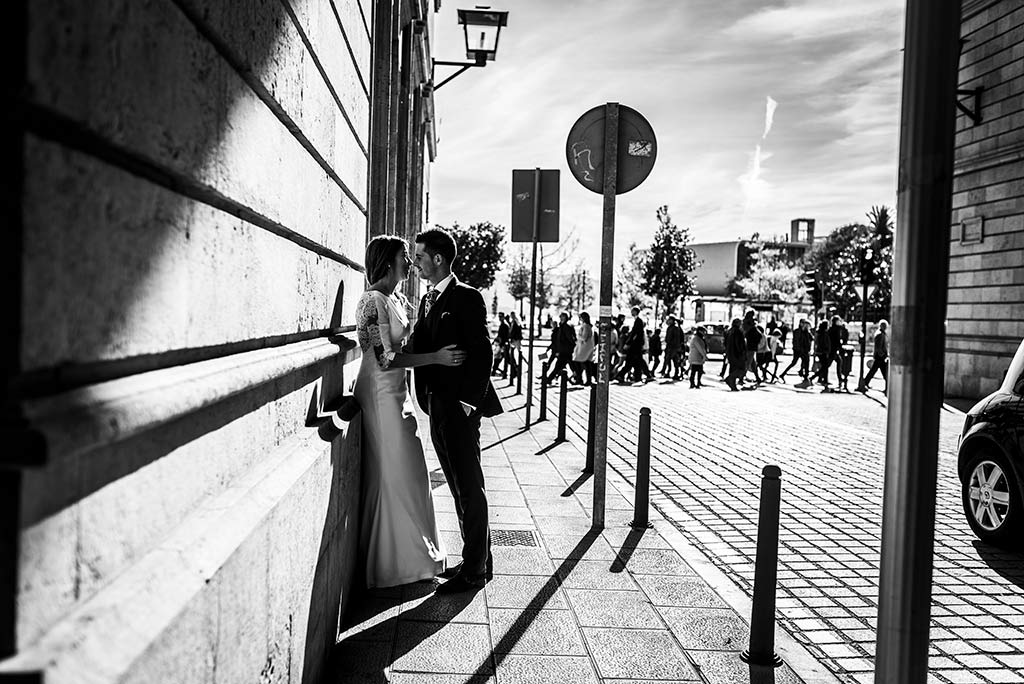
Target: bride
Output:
[{"x": 399, "y": 533}]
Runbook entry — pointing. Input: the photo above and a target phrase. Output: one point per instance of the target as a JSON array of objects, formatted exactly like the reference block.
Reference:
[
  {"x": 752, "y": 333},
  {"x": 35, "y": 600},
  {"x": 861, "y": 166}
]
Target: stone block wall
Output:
[
  {"x": 182, "y": 261},
  {"x": 985, "y": 313}
]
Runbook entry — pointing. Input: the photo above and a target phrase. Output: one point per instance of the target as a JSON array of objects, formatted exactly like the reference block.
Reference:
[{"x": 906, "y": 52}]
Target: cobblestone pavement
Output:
[{"x": 708, "y": 448}]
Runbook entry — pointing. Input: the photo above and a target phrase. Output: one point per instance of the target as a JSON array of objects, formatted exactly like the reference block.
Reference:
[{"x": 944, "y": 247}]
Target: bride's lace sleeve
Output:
[{"x": 373, "y": 329}]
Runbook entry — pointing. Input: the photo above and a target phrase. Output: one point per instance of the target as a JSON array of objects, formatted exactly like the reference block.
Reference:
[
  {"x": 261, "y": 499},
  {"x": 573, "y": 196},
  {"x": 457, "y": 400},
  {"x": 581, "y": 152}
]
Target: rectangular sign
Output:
[{"x": 523, "y": 205}]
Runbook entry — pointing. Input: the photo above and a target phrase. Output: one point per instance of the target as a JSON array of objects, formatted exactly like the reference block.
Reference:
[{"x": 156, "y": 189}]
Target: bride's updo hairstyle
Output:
[{"x": 380, "y": 256}]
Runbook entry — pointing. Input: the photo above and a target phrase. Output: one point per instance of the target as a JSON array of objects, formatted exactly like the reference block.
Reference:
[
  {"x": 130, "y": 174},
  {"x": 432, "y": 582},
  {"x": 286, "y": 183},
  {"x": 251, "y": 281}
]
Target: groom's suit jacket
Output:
[{"x": 459, "y": 317}]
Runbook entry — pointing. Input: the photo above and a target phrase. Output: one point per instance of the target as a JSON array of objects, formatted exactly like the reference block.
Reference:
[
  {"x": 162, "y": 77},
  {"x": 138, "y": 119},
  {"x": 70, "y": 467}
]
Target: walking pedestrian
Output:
[
  {"x": 822, "y": 352},
  {"x": 583, "y": 357},
  {"x": 654, "y": 350},
  {"x": 774, "y": 349},
  {"x": 698, "y": 356},
  {"x": 563, "y": 342},
  {"x": 879, "y": 357},
  {"x": 515, "y": 344},
  {"x": 752, "y": 338},
  {"x": 735, "y": 354},
  {"x": 501, "y": 345},
  {"x": 634, "y": 350},
  {"x": 673, "y": 350},
  {"x": 802, "y": 343}
]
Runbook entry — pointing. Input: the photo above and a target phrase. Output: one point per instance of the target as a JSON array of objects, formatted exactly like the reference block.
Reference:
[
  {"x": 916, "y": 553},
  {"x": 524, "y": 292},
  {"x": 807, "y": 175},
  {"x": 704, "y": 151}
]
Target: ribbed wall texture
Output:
[
  {"x": 191, "y": 220},
  {"x": 985, "y": 314}
]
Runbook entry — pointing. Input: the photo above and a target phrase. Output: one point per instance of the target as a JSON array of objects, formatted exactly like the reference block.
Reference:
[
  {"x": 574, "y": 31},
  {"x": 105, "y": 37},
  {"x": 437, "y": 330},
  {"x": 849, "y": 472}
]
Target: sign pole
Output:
[
  {"x": 533, "y": 295},
  {"x": 611, "y": 175}
]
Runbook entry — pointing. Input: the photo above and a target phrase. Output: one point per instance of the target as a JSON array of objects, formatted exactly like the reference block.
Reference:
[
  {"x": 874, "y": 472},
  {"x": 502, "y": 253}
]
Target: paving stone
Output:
[
  {"x": 725, "y": 667},
  {"x": 420, "y": 602},
  {"x": 517, "y": 669},
  {"x": 679, "y": 591},
  {"x": 586, "y": 574},
  {"x": 444, "y": 648},
  {"x": 657, "y": 562},
  {"x": 637, "y": 654},
  {"x": 501, "y": 516},
  {"x": 578, "y": 547},
  {"x": 517, "y": 560},
  {"x": 355, "y": 658},
  {"x": 433, "y": 678},
  {"x": 533, "y": 632},
  {"x": 525, "y": 591},
  {"x": 371, "y": 619},
  {"x": 707, "y": 628},
  {"x": 504, "y": 497},
  {"x": 604, "y": 608}
]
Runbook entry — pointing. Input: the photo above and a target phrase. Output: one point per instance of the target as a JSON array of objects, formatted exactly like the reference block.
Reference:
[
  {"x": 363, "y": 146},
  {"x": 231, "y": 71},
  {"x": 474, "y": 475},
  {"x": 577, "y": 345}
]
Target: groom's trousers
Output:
[{"x": 456, "y": 439}]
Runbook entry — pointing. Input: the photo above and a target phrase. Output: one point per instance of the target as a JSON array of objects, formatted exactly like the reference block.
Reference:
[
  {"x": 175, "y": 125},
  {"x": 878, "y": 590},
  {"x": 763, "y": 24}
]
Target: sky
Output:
[{"x": 763, "y": 111}]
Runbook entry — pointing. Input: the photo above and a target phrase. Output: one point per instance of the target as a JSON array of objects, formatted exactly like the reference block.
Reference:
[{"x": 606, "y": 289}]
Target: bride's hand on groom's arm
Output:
[{"x": 449, "y": 356}]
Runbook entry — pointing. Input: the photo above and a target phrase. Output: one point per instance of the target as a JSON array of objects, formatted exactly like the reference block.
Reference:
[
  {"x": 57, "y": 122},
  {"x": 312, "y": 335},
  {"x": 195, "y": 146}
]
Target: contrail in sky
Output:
[{"x": 769, "y": 115}]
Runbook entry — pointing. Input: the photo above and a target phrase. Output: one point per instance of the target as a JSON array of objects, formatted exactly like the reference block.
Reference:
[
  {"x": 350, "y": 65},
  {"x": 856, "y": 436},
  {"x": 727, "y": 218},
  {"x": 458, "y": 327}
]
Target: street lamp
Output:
[
  {"x": 482, "y": 29},
  {"x": 864, "y": 290}
]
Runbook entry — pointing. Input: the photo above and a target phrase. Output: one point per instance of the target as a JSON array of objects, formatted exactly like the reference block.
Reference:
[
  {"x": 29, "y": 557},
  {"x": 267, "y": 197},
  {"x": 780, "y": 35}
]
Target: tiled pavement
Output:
[
  {"x": 708, "y": 447},
  {"x": 581, "y": 606}
]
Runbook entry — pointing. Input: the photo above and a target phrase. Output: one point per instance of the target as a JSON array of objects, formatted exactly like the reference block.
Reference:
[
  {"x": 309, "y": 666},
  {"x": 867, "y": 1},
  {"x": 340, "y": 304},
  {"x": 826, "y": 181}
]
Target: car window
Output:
[{"x": 1014, "y": 380}]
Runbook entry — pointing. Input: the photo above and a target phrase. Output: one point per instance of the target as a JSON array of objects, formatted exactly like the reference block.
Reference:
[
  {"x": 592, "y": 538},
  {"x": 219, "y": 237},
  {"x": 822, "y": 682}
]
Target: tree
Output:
[
  {"x": 579, "y": 288},
  {"x": 629, "y": 290},
  {"x": 518, "y": 278},
  {"x": 851, "y": 253},
  {"x": 770, "y": 278},
  {"x": 669, "y": 265},
  {"x": 481, "y": 252}
]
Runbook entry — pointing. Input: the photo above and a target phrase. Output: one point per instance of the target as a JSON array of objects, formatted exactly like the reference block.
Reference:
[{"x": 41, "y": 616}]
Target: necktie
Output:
[{"x": 431, "y": 297}]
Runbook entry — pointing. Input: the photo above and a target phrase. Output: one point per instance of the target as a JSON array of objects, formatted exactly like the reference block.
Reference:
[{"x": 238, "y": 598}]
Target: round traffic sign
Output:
[{"x": 638, "y": 148}]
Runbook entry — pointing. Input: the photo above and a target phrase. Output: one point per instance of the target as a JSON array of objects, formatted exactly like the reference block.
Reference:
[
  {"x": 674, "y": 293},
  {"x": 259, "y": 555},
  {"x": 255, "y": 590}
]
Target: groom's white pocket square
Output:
[{"x": 445, "y": 313}]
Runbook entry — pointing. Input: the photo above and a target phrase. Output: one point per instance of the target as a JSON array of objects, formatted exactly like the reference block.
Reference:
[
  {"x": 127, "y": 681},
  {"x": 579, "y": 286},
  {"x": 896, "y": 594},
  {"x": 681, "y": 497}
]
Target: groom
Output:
[{"x": 456, "y": 397}]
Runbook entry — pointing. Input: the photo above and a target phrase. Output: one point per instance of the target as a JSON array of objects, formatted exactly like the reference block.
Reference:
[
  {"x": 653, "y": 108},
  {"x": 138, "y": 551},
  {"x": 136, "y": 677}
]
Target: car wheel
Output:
[{"x": 992, "y": 500}]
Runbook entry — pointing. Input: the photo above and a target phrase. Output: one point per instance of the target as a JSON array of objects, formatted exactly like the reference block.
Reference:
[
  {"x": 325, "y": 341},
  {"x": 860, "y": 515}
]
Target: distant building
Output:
[
  {"x": 985, "y": 313},
  {"x": 722, "y": 262}
]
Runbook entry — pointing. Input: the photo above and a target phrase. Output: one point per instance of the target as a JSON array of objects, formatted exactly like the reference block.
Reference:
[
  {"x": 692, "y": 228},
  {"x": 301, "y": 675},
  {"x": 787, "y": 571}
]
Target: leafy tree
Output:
[
  {"x": 669, "y": 264},
  {"x": 854, "y": 252},
  {"x": 770, "y": 277},
  {"x": 518, "y": 278},
  {"x": 481, "y": 252},
  {"x": 629, "y": 286},
  {"x": 579, "y": 288}
]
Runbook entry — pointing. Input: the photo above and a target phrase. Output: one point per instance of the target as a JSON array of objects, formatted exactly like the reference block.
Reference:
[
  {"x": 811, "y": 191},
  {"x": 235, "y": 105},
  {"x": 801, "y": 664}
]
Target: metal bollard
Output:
[
  {"x": 519, "y": 375},
  {"x": 643, "y": 471},
  {"x": 591, "y": 427},
  {"x": 543, "y": 414},
  {"x": 762, "y": 614},
  {"x": 562, "y": 398}
]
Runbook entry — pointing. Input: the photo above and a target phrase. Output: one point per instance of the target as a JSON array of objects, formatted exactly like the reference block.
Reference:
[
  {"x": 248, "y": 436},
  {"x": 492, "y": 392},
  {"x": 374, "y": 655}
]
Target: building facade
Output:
[
  {"x": 195, "y": 183},
  {"x": 985, "y": 313}
]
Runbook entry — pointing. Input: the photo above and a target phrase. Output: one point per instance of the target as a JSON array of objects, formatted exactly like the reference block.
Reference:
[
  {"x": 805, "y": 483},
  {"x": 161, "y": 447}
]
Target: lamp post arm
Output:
[{"x": 464, "y": 65}]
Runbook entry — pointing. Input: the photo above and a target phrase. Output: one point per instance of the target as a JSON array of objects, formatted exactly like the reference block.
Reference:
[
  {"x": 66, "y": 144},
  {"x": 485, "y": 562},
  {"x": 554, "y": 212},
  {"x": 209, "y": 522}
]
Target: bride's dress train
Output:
[{"x": 398, "y": 533}]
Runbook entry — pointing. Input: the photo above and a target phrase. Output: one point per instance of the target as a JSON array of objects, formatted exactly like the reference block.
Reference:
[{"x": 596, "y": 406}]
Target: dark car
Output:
[
  {"x": 991, "y": 461},
  {"x": 715, "y": 337}
]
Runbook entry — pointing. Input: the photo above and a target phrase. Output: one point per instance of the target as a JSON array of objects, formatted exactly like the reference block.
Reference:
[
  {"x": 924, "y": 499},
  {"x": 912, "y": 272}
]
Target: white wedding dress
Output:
[{"x": 398, "y": 533}]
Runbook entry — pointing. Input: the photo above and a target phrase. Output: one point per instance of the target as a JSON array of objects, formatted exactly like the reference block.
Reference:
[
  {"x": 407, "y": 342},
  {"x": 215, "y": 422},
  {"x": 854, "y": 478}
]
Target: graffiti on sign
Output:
[{"x": 640, "y": 148}]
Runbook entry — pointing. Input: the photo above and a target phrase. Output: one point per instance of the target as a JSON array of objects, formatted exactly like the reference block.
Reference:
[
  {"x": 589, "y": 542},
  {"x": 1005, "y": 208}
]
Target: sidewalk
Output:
[{"x": 567, "y": 604}]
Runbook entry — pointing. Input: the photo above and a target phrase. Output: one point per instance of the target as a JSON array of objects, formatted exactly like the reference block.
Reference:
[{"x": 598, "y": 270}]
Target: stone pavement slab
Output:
[{"x": 568, "y": 603}]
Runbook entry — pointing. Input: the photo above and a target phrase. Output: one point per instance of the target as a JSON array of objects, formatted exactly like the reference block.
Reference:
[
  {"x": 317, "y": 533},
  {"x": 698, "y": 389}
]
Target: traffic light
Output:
[{"x": 811, "y": 288}]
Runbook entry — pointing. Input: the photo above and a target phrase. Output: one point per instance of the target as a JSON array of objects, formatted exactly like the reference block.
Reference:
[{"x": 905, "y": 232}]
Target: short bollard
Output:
[
  {"x": 543, "y": 413},
  {"x": 562, "y": 406},
  {"x": 762, "y": 614},
  {"x": 643, "y": 471},
  {"x": 519, "y": 375},
  {"x": 591, "y": 427}
]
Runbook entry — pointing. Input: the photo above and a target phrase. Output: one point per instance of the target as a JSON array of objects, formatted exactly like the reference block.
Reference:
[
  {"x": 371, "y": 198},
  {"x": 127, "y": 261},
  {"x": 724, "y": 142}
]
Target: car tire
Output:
[{"x": 992, "y": 500}]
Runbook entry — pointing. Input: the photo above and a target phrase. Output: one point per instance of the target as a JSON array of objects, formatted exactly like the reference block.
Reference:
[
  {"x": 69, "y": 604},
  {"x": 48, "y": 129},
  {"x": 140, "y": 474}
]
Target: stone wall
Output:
[
  {"x": 182, "y": 261},
  {"x": 985, "y": 314}
]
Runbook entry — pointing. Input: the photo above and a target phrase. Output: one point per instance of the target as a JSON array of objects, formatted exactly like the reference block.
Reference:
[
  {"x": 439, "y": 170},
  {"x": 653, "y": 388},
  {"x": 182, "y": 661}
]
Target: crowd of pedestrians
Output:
[{"x": 752, "y": 351}]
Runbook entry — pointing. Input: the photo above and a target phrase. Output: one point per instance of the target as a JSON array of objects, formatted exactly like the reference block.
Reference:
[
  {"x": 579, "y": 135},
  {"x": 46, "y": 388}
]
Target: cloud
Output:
[{"x": 769, "y": 115}]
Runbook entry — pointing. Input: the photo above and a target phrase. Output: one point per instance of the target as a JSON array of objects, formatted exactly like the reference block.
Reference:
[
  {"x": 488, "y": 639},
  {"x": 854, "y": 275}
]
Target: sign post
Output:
[
  {"x": 534, "y": 219},
  {"x": 611, "y": 149}
]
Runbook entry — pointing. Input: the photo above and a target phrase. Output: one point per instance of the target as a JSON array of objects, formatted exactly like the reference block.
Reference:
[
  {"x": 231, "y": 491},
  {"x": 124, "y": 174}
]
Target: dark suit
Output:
[{"x": 459, "y": 317}]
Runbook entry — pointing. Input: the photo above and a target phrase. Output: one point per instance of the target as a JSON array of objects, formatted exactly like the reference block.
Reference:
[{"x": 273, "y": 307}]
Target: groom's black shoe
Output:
[
  {"x": 456, "y": 569},
  {"x": 451, "y": 572},
  {"x": 460, "y": 583}
]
